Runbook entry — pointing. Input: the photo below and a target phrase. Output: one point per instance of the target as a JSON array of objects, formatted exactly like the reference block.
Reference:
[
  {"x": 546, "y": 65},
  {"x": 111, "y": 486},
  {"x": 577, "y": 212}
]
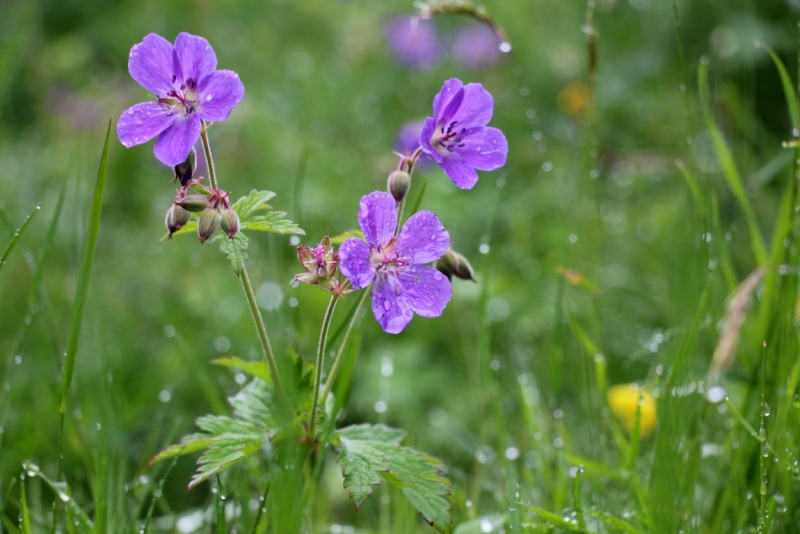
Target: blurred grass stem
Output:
[
  {"x": 323, "y": 341},
  {"x": 337, "y": 363}
]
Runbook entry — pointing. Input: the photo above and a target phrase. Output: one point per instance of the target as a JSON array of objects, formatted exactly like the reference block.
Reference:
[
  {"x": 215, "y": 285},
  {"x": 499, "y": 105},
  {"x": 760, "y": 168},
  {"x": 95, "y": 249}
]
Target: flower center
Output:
[
  {"x": 182, "y": 98},
  {"x": 386, "y": 259},
  {"x": 446, "y": 139}
]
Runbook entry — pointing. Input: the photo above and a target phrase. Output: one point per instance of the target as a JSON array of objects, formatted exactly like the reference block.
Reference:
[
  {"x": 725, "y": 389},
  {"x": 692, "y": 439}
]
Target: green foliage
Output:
[
  {"x": 257, "y": 368},
  {"x": 339, "y": 239},
  {"x": 255, "y": 200},
  {"x": 17, "y": 236},
  {"x": 371, "y": 452},
  {"x": 274, "y": 221},
  {"x": 235, "y": 249}
]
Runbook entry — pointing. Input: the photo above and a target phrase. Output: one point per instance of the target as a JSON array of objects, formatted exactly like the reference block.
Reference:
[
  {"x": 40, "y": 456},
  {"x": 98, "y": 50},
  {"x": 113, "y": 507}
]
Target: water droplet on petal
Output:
[
  {"x": 209, "y": 97},
  {"x": 386, "y": 305}
]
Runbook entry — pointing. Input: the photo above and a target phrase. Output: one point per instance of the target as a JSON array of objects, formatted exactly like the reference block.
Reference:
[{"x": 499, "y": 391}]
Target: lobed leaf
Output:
[
  {"x": 255, "y": 200},
  {"x": 256, "y": 368},
  {"x": 235, "y": 249},
  {"x": 372, "y": 452},
  {"x": 274, "y": 221},
  {"x": 253, "y": 404}
]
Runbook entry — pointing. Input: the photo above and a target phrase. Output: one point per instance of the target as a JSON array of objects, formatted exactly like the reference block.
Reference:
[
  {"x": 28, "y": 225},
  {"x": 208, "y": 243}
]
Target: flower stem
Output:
[
  {"x": 410, "y": 163},
  {"x": 323, "y": 341},
  {"x": 212, "y": 175},
  {"x": 265, "y": 344},
  {"x": 337, "y": 363}
]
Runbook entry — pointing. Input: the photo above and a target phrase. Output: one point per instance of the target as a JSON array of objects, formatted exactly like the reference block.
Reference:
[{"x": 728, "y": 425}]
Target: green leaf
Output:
[
  {"x": 615, "y": 522},
  {"x": 62, "y": 491},
  {"x": 554, "y": 519},
  {"x": 372, "y": 452},
  {"x": 257, "y": 368},
  {"x": 254, "y": 403},
  {"x": 245, "y": 206},
  {"x": 339, "y": 239},
  {"x": 274, "y": 221},
  {"x": 236, "y": 250},
  {"x": 85, "y": 275},
  {"x": 788, "y": 86},
  {"x": 479, "y": 525},
  {"x": 18, "y": 236}
]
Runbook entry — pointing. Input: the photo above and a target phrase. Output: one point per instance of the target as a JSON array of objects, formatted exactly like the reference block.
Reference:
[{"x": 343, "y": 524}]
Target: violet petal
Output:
[
  {"x": 220, "y": 93},
  {"x": 354, "y": 262},
  {"x": 143, "y": 122},
  {"x": 425, "y": 140},
  {"x": 391, "y": 309},
  {"x": 175, "y": 143},
  {"x": 485, "y": 150},
  {"x": 423, "y": 238},
  {"x": 476, "y": 108},
  {"x": 440, "y": 101},
  {"x": 196, "y": 57},
  {"x": 458, "y": 170},
  {"x": 377, "y": 217},
  {"x": 150, "y": 64},
  {"x": 426, "y": 290}
]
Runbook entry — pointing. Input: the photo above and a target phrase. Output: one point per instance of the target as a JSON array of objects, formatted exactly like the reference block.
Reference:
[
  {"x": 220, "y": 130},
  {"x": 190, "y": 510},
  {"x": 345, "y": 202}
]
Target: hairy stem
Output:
[
  {"x": 337, "y": 363},
  {"x": 265, "y": 344},
  {"x": 212, "y": 175},
  {"x": 323, "y": 341},
  {"x": 410, "y": 162}
]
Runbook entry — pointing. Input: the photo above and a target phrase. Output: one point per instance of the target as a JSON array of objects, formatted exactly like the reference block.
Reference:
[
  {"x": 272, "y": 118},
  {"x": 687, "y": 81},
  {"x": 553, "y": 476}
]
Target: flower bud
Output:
[
  {"x": 399, "y": 183},
  {"x": 455, "y": 264},
  {"x": 208, "y": 224},
  {"x": 184, "y": 171},
  {"x": 177, "y": 217},
  {"x": 230, "y": 223},
  {"x": 193, "y": 203}
]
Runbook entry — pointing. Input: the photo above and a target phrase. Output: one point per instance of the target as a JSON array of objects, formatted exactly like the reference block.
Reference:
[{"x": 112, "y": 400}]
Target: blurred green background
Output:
[{"x": 596, "y": 193}]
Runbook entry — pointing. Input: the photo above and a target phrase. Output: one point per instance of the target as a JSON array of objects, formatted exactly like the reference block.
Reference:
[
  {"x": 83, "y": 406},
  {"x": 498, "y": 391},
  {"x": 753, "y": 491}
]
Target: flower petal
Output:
[
  {"x": 218, "y": 94},
  {"x": 143, "y": 122},
  {"x": 476, "y": 108},
  {"x": 425, "y": 137},
  {"x": 196, "y": 57},
  {"x": 150, "y": 64},
  {"x": 485, "y": 150},
  {"x": 390, "y": 307},
  {"x": 354, "y": 262},
  {"x": 377, "y": 216},
  {"x": 175, "y": 143},
  {"x": 458, "y": 170},
  {"x": 450, "y": 88},
  {"x": 423, "y": 238},
  {"x": 426, "y": 290}
]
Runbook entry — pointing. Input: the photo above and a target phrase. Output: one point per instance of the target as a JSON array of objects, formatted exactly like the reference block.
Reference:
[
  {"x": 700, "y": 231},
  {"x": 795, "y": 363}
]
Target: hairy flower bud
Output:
[
  {"x": 193, "y": 203},
  {"x": 455, "y": 264},
  {"x": 208, "y": 224},
  {"x": 399, "y": 183},
  {"x": 230, "y": 223},
  {"x": 184, "y": 171},
  {"x": 177, "y": 217}
]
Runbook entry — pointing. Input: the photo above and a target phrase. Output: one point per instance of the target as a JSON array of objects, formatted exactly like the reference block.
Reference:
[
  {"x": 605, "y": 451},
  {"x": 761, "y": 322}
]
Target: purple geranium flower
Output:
[
  {"x": 457, "y": 136},
  {"x": 476, "y": 46},
  {"x": 187, "y": 88},
  {"x": 402, "y": 286},
  {"x": 413, "y": 41}
]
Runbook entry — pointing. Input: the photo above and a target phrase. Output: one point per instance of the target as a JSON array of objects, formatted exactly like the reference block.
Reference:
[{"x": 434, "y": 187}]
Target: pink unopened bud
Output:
[
  {"x": 193, "y": 203},
  {"x": 208, "y": 224},
  {"x": 230, "y": 223},
  {"x": 177, "y": 217},
  {"x": 399, "y": 183}
]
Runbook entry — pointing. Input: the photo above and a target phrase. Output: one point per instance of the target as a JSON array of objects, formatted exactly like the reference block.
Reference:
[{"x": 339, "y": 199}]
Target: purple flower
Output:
[
  {"x": 187, "y": 88},
  {"x": 413, "y": 41},
  {"x": 402, "y": 286},
  {"x": 407, "y": 142},
  {"x": 457, "y": 136},
  {"x": 476, "y": 46}
]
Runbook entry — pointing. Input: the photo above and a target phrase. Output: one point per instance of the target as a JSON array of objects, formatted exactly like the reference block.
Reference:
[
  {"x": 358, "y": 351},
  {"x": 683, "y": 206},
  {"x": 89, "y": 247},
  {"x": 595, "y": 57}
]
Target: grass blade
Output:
[
  {"x": 730, "y": 171},
  {"x": 788, "y": 87},
  {"x": 82, "y": 293},
  {"x": 18, "y": 236},
  {"x": 25, "y": 516}
]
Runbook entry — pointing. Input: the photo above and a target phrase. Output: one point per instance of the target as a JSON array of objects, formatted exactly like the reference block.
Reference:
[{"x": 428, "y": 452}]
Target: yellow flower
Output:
[{"x": 623, "y": 400}]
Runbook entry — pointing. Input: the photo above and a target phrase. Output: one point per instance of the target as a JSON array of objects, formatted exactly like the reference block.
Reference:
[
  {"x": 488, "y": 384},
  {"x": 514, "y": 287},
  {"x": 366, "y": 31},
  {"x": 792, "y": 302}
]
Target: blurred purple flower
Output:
[
  {"x": 413, "y": 41},
  {"x": 187, "y": 87},
  {"x": 457, "y": 137},
  {"x": 475, "y": 46},
  {"x": 407, "y": 141},
  {"x": 402, "y": 286}
]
